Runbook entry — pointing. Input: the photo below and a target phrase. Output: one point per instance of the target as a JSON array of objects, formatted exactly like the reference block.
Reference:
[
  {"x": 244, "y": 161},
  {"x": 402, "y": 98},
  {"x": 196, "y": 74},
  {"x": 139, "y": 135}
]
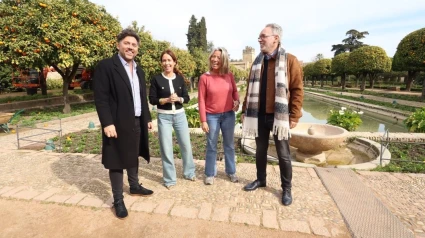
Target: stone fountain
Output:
[
  {"x": 315, "y": 144},
  {"x": 311, "y": 140}
]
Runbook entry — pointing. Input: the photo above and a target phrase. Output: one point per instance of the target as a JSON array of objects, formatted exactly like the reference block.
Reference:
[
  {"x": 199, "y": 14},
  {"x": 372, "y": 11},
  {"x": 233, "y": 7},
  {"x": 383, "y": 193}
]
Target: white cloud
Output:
[{"x": 309, "y": 26}]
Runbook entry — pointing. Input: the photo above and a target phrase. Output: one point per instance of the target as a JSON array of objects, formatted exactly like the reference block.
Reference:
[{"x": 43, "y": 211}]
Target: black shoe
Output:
[
  {"x": 120, "y": 210},
  {"x": 140, "y": 190},
  {"x": 286, "y": 197},
  {"x": 254, "y": 185}
]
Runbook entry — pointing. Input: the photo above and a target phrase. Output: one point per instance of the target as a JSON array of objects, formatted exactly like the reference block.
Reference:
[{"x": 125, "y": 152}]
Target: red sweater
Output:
[{"x": 216, "y": 94}]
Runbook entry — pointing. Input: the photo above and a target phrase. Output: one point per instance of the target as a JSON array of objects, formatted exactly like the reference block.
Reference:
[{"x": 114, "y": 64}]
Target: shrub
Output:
[
  {"x": 416, "y": 121},
  {"x": 193, "y": 120},
  {"x": 345, "y": 118},
  {"x": 54, "y": 84}
]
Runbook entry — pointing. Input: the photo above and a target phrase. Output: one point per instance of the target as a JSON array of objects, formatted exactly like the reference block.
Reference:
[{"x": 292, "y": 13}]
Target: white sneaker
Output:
[{"x": 209, "y": 180}]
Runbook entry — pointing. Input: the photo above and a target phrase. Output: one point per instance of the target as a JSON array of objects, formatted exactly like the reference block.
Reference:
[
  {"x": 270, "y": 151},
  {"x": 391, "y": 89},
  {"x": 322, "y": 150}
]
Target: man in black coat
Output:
[{"x": 121, "y": 103}]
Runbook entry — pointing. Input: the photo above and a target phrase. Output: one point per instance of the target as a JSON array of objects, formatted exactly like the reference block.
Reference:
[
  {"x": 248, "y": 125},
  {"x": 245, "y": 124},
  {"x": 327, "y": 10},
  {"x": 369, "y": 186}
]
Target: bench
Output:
[{"x": 6, "y": 118}]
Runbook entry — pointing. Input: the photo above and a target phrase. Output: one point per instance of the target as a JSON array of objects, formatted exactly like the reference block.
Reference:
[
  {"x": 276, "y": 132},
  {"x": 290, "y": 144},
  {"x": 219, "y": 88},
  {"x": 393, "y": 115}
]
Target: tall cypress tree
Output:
[
  {"x": 202, "y": 29},
  {"x": 192, "y": 35}
]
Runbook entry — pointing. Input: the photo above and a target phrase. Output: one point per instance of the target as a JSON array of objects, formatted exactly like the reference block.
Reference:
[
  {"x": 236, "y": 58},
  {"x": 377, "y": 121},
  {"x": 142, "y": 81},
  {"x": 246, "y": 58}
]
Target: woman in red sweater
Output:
[{"x": 218, "y": 100}]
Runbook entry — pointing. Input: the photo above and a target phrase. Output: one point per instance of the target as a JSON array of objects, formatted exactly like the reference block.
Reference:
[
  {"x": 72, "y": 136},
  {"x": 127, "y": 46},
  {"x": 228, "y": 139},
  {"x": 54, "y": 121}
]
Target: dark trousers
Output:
[
  {"x": 116, "y": 175},
  {"x": 265, "y": 126}
]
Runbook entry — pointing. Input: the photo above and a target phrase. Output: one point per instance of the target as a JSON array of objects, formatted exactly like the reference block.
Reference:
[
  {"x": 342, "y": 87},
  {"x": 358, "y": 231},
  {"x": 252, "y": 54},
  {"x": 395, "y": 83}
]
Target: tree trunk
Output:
[
  {"x": 343, "y": 77},
  {"x": 43, "y": 83},
  {"x": 363, "y": 84},
  {"x": 191, "y": 84},
  {"x": 67, "y": 106},
  {"x": 423, "y": 91},
  {"x": 322, "y": 79},
  {"x": 371, "y": 81},
  {"x": 411, "y": 75}
]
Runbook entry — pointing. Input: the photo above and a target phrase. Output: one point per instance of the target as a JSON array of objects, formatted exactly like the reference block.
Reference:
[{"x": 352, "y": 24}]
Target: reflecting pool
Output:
[{"x": 316, "y": 111}]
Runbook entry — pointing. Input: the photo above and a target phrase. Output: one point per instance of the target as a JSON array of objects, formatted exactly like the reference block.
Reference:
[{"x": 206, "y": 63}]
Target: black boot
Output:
[
  {"x": 120, "y": 210},
  {"x": 140, "y": 190},
  {"x": 286, "y": 197}
]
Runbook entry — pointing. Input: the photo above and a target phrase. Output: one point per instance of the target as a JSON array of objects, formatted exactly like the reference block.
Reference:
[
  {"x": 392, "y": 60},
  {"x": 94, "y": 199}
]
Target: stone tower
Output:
[{"x": 248, "y": 56}]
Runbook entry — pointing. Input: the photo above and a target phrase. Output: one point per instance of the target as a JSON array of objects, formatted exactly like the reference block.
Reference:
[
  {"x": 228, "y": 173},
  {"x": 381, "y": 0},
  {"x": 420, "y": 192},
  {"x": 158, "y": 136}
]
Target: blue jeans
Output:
[
  {"x": 166, "y": 122},
  {"x": 226, "y": 122}
]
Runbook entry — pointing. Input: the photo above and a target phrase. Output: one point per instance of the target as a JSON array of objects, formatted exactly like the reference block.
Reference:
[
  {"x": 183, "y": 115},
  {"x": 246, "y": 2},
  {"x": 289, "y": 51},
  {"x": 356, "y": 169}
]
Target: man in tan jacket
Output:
[{"x": 273, "y": 104}]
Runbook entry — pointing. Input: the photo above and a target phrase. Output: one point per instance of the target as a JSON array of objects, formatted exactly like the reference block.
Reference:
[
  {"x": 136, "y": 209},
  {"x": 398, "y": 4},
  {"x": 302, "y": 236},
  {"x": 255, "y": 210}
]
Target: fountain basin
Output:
[
  {"x": 323, "y": 137},
  {"x": 360, "y": 154}
]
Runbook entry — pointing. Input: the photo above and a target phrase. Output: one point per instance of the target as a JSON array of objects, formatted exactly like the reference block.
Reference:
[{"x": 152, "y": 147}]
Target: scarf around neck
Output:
[{"x": 281, "y": 113}]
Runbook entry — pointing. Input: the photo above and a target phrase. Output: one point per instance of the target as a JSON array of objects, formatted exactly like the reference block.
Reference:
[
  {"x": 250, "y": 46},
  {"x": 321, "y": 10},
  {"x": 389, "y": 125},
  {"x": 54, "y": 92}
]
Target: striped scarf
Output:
[{"x": 281, "y": 113}]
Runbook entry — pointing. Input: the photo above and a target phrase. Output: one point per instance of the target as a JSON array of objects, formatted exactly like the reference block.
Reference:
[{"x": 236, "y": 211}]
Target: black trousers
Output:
[
  {"x": 116, "y": 175},
  {"x": 265, "y": 126}
]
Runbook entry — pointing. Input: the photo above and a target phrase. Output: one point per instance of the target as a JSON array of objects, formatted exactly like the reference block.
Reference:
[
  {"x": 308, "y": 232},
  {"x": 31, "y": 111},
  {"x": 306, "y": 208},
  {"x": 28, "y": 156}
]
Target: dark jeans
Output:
[
  {"x": 116, "y": 175},
  {"x": 265, "y": 126}
]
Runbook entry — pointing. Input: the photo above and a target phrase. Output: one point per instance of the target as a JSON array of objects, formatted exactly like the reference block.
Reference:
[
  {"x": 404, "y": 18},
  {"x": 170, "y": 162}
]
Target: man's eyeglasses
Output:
[{"x": 264, "y": 36}]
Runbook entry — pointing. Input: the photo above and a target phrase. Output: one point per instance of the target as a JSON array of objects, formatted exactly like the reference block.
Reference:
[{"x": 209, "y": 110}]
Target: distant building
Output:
[{"x": 248, "y": 56}]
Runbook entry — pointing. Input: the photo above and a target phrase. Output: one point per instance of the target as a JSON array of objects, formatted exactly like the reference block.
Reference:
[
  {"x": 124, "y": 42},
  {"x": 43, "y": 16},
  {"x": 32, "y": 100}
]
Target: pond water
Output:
[{"x": 316, "y": 111}]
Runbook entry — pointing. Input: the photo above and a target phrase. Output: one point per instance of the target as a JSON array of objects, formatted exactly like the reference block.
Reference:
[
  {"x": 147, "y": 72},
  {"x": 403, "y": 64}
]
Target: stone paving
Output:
[{"x": 81, "y": 180}]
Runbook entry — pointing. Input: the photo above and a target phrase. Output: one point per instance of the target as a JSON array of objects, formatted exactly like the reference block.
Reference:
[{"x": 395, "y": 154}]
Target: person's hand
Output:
[
  {"x": 242, "y": 117},
  {"x": 150, "y": 126},
  {"x": 110, "y": 131},
  {"x": 235, "y": 106},
  {"x": 174, "y": 98},
  {"x": 163, "y": 101},
  {"x": 205, "y": 127},
  {"x": 292, "y": 124}
]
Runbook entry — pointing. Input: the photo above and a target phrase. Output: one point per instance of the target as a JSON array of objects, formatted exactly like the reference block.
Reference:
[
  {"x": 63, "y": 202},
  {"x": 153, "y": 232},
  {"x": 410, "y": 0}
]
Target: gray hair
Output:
[
  {"x": 224, "y": 67},
  {"x": 276, "y": 29}
]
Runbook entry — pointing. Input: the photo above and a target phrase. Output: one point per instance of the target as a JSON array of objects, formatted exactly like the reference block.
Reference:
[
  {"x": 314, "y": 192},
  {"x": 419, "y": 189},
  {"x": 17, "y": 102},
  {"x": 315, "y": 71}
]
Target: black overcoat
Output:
[{"x": 114, "y": 104}]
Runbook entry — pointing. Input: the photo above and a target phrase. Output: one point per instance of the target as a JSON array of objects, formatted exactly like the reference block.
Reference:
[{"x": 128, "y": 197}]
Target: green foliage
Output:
[
  {"x": 238, "y": 117},
  {"x": 62, "y": 34},
  {"x": 368, "y": 60},
  {"x": 191, "y": 102},
  {"x": 351, "y": 42},
  {"x": 345, "y": 118},
  {"x": 201, "y": 61},
  {"x": 31, "y": 117},
  {"x": 238, "y": 73},
  {"x": 185, "y": 62},
  {"x": 410, "y": 54},
  {"x": 54, "y": 84},
  {"x": 308, "y": 70},
  {"x": 405, "y": 158},
  {"x": 192, "y": 35},
  {"x": 5, "y": 76},
  {"x": 202, "y": 28},
  {"x": 193, "y": 120},
  {"x": 339, "y": 64},
  {"x": 322, "y": 67},
  {"x": 197, "y": 35},
  {"x": 416, "y": 121}
]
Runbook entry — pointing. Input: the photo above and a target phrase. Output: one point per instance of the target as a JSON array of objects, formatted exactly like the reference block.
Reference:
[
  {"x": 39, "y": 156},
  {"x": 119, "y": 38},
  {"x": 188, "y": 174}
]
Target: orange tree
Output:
[
  {"x": 322, "y": 68},
  {"x": 186, "y": 64},
  {"x": 339, "y": 67},
  {"x": 60, "y": 33},
  {"x": 308, "y": 70},
  {"x": 410, "y": 57},
  {"x": 368, "y": 60}
]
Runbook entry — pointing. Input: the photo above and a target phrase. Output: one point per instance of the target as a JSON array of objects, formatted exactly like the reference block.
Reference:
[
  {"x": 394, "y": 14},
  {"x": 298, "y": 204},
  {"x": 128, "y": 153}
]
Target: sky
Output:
[{"x": 309, "y": 27}]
